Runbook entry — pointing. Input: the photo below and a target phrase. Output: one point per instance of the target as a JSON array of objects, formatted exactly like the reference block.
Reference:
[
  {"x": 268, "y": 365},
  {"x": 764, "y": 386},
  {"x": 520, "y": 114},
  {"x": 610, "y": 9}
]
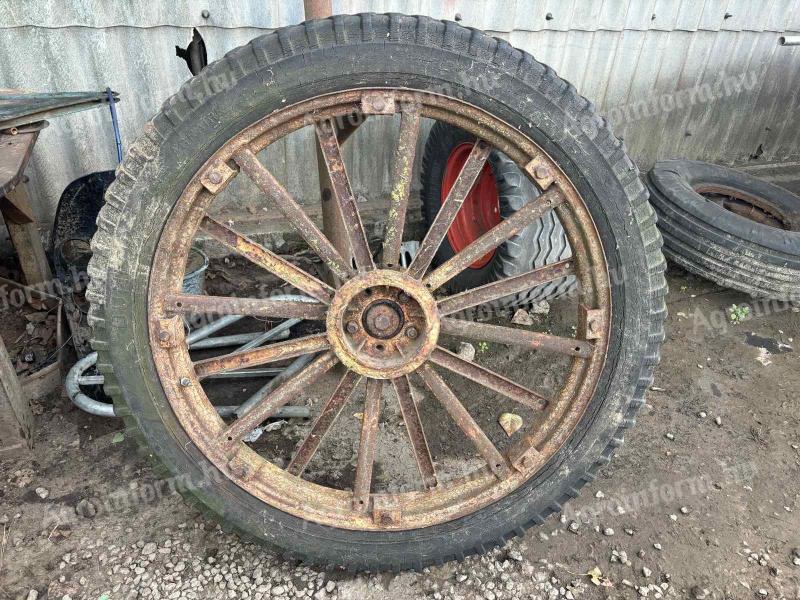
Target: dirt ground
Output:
[{"x": 702, "y": 501}]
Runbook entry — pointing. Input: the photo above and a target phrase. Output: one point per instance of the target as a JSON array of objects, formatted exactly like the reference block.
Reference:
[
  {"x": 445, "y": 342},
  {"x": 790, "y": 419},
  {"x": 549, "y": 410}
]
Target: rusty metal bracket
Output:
[
  {"x": 386, "y": 510},
  {"x": 524, "y": 458},
  {"x": 541, "y": 172},
  {"x": 591, "y": 322},
  {"x": 217, "y": 177},
  {"x": 170, "y": 332},
  {"x": 377, "y": 103}
]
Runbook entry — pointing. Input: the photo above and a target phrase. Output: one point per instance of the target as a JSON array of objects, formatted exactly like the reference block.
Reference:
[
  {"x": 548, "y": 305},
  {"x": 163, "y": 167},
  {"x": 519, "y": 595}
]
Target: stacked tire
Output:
[{"x": 729, "y": 227}]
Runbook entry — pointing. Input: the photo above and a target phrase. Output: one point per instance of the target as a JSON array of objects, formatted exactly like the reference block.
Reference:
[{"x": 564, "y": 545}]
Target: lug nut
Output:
[
  {"x": 352, "y": 327},
  {"x": 412, "y": 333},
  {"x": 163, "y": 335},
  {"x": 185, "y": 382}
]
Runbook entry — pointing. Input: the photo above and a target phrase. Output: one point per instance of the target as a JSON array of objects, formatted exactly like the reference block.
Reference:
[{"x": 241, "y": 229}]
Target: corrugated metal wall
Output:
[{"x": 678, "y": 78}]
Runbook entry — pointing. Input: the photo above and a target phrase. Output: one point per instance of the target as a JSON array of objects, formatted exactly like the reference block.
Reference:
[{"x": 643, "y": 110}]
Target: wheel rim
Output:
[
  {"x": 749, "y": 206},
  {"x": 481, "y": 209},
  {"x": 435, "y": 500}
]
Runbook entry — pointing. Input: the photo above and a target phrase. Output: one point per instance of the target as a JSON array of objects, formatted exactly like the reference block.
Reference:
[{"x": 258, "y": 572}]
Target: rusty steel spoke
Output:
[
  {"x": 278, "y": 398},
  {"x": 490, "y": 379},
  {"x": 334, "y": 163},
  {"x": 366, "y": 445},
  {"x": 416, "y": 434},
  {"x": 484, "y": 446},
  {"x": 261, "y": 356},
  {"x": 333, "y": 407},
  {"x": 270, "y": 261},
  {"x": 253, "y": 307},
  {"x": 505, "y": 287},
  {"x": 516, "y": 337},
  {"x": 401, "y": 186},
  {"x": 449, "y": 209},
  {"x": 294, "y": 213},
  {"x": 490, "y": 240}
]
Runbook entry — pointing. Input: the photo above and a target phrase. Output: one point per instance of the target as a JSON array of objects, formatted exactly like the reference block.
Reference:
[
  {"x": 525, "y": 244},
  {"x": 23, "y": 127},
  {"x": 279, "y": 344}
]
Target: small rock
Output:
[
  {"x": 43, "y": 493},
  {"x": 657, "y": 546},
  {"x": 86, "y": 508},
  {"x": 540, "y": 308},
  {"x": 718, "y": 421},
  {"x": 646, "y": 572},
  {"x": 466, "y": 351},
  {"x": 149, "y": 548},
  {"x": 514, "y": 555},
  {"x": 684, "y": 510},
  {"x": 522, "y": 317},
  {"x": 32, "y": 595},
  {"x": 673, "y": 517},
  {"x": 699, "y": 593},
  {"x": 599, "y": 494},
  {"x": 669, "y": 436},
  {"x": 763, "y": 593},
  {"x": 574, "y": 527},
  {"x": 702, "y": 414},
  {"x": 608, "y": 531}
]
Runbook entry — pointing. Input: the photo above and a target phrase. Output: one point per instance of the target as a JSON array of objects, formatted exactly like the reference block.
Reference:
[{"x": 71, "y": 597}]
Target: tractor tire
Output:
[{"x": 541, "y": 243}]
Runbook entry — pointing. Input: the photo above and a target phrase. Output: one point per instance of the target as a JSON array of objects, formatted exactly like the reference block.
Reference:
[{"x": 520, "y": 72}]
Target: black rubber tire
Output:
[
  {"x": 541, "y": 243},
  {"x": 340, "y": 53},
  {"x": 719, "y": 245}
]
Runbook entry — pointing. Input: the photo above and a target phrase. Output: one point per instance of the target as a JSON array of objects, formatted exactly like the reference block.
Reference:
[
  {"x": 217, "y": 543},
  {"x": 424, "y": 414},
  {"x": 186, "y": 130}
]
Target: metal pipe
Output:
[
  {"x": 248, "y": 373},
  {"x": 214, "y": 326},
  {"x": 115, "y": 124},
  {"x": 273, "y": 333},
  {"x": 789, "y": 40},
  {"x": 75, "y": 378},
  {"x": 229, "y": 340},
  {"x": 81, "y": 400},
  {"x": 297, "y": 365},
  {"x": 284, "y": 412}
]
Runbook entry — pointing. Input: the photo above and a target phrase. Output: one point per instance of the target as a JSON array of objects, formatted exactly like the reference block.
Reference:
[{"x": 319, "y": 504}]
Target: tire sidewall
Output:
[{"x": 523, "y": 105}]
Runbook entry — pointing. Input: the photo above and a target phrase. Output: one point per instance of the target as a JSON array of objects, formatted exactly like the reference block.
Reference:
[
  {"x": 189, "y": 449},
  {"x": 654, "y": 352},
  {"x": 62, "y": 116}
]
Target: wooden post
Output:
[
  {"x": 16, "y": 418},
  {"x": 25, "y": 236}
]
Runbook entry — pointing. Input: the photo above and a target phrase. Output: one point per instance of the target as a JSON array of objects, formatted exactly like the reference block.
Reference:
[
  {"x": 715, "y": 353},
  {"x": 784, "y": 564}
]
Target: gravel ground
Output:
[{"x": 701, "y": 502}]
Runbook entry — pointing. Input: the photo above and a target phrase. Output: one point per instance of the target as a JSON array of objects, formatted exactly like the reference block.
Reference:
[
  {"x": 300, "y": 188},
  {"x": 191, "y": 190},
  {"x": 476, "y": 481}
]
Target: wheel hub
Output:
[{"x": 383, "y": 324}]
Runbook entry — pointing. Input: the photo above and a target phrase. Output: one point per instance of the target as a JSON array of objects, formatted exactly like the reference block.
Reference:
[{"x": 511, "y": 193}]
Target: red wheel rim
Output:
[{"x": 481, "y": 209}]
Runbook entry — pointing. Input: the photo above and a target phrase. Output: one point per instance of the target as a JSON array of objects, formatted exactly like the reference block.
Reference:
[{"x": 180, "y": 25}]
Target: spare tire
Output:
[
  {"x": 501, "y": 190},
  {"x": 729, "y": 227}
]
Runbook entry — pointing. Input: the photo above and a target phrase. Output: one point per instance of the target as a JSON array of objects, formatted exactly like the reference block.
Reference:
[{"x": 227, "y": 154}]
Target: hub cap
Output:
[{"x": 383, "y": 324}]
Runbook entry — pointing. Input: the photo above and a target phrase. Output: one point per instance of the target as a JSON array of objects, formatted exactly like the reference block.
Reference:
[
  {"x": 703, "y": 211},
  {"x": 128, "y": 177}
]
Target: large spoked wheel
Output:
[{"x": 376, "y": 338}]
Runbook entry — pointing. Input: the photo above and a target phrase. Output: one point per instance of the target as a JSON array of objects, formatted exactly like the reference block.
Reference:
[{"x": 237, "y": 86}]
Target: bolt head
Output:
[
  {"x": 215, "y": 177},
  {"x": 205, "y": 14},
  {"x": 163, "y": 335},
  {"x": 541, "y": 172},
  {"x": 412, "y": 333},
  {"x": 185, "y": 382},
  {"x": 352, "y": 327}
]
